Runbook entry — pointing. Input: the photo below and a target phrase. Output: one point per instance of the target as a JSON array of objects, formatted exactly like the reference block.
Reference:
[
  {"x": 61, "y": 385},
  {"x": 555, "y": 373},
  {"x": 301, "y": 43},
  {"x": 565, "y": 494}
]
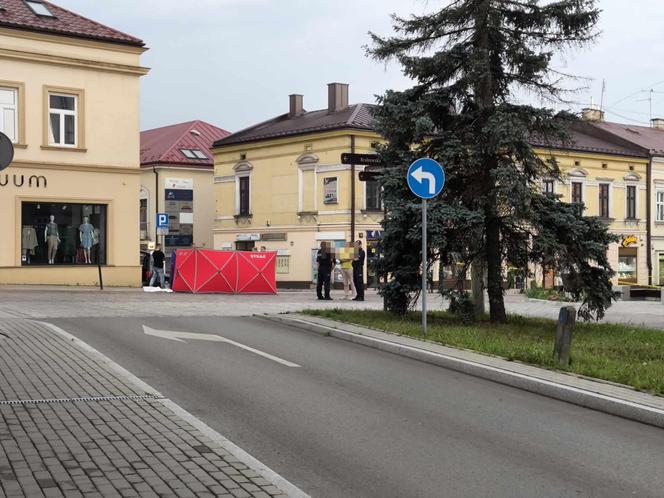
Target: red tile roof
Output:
[
  {"x": 164, "y": 145},
  {"x": 17, "y": 14}
]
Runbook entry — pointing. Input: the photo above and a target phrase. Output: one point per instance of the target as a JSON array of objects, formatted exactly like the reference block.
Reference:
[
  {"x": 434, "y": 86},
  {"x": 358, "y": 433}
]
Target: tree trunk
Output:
[
  {"x": 477, "y": 286},
  {"x": 494, "y": 267}
]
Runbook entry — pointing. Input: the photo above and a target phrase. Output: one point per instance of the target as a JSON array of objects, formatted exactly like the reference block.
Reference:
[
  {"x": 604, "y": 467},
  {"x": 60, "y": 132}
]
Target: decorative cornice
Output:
[
  {"x": 243, "y": 166},
  {"x": 59, "y": 60},
  {"x": 307, "y": 158},
  {"x": 632, "y": 177},
  {"x": 87, "y": 168},
  {"x": 62, "y": 39},
  {"x": 578, "y": 173}
]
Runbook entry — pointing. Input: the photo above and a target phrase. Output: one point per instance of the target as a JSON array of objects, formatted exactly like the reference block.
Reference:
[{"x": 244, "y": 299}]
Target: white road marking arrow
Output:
[
  {"x": 179, "y": 336},
  {"x": 420, "y": 175}
]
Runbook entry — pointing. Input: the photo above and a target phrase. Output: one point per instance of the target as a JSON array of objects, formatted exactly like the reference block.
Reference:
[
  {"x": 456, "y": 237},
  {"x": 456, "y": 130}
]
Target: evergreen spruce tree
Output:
[{"x": 467, "y": 60}]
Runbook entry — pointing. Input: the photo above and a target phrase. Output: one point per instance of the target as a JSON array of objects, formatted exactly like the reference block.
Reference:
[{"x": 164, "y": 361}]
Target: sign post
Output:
[{"x": 426, "y": 179}]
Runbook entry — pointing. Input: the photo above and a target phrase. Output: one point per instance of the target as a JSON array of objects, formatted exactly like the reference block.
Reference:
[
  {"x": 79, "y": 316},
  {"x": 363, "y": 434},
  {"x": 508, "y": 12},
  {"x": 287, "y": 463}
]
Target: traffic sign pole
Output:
[
  {"x": 425, "y": 269},
  {"x": 426, "y": 179}
]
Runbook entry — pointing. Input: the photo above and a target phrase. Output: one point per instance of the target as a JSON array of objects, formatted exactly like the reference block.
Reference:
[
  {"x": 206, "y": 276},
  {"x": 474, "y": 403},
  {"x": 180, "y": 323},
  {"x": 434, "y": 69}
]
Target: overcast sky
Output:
[{"x": 233, "y": 63}]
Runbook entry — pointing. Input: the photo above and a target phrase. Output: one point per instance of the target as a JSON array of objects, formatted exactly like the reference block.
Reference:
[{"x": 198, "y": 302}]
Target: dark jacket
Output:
[
  {"x": 358, "y": 264},
  {"x": 324, "y": 260}
]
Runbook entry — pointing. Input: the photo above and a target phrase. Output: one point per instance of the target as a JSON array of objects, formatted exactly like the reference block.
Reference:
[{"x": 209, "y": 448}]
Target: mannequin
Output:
[
  {"x": 28, "y": 242},
  {"x": 86, "y": 233},
  {"x": 52, "y": 238}
]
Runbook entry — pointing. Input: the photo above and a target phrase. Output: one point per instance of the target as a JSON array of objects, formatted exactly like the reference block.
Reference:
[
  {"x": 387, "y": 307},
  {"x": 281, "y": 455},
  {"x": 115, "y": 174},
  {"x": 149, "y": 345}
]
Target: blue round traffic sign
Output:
[{"x": 426, "y": 178}]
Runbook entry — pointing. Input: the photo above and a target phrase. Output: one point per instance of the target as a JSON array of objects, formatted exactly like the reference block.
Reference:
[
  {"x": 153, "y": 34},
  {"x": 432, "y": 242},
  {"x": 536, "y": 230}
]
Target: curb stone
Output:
[
  {"x": 502, "y": 371},
  {"x": 242, "y": 456}
]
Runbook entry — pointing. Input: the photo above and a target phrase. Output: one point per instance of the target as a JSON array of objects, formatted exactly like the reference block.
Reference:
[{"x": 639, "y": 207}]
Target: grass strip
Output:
[{"x": 624, "y": 354}]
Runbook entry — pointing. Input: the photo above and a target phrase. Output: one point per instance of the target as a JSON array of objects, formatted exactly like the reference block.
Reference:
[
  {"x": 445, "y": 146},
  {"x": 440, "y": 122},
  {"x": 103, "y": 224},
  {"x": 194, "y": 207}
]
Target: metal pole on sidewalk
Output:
[{"x": 425, "y": 269}]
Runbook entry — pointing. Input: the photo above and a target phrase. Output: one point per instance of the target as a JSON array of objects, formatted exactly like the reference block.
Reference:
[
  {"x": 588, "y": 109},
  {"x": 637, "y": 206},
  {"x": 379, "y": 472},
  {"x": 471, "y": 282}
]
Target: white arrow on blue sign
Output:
[
  {"x": 426, "y": 178},
  {"x": 162, "y": 220}
]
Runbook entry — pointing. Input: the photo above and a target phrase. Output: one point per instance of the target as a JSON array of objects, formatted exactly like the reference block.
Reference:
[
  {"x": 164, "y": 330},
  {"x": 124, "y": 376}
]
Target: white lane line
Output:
[{"x": 172, "y": 335}]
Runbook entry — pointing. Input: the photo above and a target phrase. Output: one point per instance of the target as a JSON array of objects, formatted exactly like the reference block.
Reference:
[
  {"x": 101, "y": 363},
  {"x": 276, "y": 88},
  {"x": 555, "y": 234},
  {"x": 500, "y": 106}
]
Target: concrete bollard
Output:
[
  {"x": 563, "y": 346},
  {"x": 626, "y": 293},
  {"x": 661, "y": 293}
]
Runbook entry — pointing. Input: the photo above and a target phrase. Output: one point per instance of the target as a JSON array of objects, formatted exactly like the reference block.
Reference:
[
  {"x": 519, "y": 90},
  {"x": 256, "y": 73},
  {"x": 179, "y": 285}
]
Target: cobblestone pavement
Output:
[
  {"x": 71, "y": 425},
  {"x": 41, "y": 303}
]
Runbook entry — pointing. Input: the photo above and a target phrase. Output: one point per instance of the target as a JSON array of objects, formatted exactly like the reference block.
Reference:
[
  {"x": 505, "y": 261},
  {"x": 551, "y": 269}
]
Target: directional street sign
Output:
[
  {"x": 361, "y": 159},
  {"x": 370, "y": 176},
  {"x": 6, "y": 151},
  {"x": 162, "y": 220},
  {"x": 426, "y": 178}
]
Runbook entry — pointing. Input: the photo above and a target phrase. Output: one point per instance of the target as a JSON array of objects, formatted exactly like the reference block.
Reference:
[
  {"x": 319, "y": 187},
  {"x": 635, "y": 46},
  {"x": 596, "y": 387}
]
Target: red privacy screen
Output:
[{"x": 224, "y": 272}]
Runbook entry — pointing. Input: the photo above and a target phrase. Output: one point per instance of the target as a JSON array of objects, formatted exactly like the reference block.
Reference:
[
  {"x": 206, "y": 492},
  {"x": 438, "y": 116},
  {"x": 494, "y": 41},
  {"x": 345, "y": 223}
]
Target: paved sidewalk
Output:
[
  {"x": 72, "y": 424},
  {"x": 591, "y": 393}
]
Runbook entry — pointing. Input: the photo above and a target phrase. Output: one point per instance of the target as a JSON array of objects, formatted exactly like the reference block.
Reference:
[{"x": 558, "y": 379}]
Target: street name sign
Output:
[
  {"x": 361, "y": 159},
  {"x": 426, "y": 179},
  {"x": 6, "y": 151},
  {"x": 370, "y": 176}
]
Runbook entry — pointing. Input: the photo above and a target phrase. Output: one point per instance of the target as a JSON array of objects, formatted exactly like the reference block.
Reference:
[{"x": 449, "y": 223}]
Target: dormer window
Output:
[
  {"x": 39, "y": 8},
  {"x": 193, "y": 154}
]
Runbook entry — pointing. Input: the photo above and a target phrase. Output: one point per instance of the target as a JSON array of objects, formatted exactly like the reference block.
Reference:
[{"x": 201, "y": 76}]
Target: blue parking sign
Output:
[{"x": 162, "y": 220}]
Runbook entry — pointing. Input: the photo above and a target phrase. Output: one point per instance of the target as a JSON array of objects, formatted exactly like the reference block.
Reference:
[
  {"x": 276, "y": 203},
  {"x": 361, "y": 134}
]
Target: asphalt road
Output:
[{"x": 355, "y": 422}]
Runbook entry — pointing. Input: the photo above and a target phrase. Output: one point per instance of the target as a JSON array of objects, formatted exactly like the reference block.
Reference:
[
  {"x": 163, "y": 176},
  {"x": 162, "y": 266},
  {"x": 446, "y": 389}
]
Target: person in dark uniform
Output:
[
  {"x": 325, "y": 264},
  {"x": 358, "y": 271}
]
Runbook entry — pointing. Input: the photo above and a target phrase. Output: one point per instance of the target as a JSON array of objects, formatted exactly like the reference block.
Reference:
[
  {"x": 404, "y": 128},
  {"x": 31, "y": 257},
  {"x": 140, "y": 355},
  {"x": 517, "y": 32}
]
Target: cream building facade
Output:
[
  {"x": 280, "y": 186},
  {"x": 69, "y": 91},
  {"x": 177, "y": 178}
]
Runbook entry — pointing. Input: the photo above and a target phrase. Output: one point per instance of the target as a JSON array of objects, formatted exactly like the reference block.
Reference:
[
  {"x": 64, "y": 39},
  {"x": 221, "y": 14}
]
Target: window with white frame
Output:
[
  {"x": 63, "y": 119},
  {"x": 9, "y": 112},
  {"x": 374, "y": 196},
  {"x": 549, "y": 187},
  {"x": 660, "y": 205},
  {"x": 243, "y": 195},
  {"x": 604, "y": 210},
  {"x": 577, "y": 192},
  {"x": 630, "y": 206}
]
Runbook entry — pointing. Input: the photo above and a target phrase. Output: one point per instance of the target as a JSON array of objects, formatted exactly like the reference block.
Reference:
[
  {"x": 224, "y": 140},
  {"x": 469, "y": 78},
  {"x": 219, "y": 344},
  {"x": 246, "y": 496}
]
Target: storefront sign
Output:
[
  {"x": 179, "y": 183},
  {"x": 330, "y": 190},
  {"x": 330, "y": 235},
  {"x": 21, "y": 181},
  {"x": 630, "y": 240},
  {"x": 243, "y": 237}
]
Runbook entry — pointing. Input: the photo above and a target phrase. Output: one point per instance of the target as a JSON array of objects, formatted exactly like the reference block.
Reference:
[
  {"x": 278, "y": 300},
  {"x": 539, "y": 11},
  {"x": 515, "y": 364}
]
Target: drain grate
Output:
[{"x": 91, "y": 399}]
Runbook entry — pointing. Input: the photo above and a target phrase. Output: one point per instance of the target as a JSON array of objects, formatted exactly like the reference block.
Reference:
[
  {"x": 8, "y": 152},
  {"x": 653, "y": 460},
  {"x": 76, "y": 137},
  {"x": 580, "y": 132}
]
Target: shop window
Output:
[
  {"x": 603, "y": 200},
  {"x": 374, "y": 195},
  {"x": 577, "y": 192},
  {"x": 63, "y": 120},
  {"x": 660, "y": 205},
  {"x": 143, "y": 210},
  {"x": 631, "y": 202},
  {"x": 66, "y": 239},
  {"x": 9, "y": 113},
  {"x": 627, "y": 265},
  {"x": 245, "y": 245}
]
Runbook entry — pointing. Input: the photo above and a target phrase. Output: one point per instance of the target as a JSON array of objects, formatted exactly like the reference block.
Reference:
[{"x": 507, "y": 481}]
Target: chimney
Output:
[
  {"x": 657, "y": 123},
  {"x": 296, "y": 105},
  {"x": 337, "y": 97},
  {"x": 592, "y": 113}
]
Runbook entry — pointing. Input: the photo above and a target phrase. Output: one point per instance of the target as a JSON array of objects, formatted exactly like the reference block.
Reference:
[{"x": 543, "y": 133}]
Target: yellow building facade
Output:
[
  {"x": 281, "y": 187},
  {"x": 613, "y": 187},
  {"x": 75, "y": 128}
]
